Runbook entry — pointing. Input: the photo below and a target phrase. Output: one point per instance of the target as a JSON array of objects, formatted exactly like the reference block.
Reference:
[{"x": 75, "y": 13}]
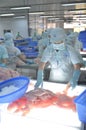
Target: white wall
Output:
[{"x": 15, "y": 25}]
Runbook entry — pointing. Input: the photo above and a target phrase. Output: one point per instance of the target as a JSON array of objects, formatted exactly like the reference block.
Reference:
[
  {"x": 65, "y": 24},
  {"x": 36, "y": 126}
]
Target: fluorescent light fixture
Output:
[
  {"x": 59, "y": 20},
  {"x": 54, "y": 18},
  {"x": 73, "y": 3},
  {"x": 46, "y": 16},
  {"x": 19, "y": 8},
  {"x": 82, "y": 18},
  {"x": 19, "y": 17},
  {"x": 7, "y": 14},
  {"x": 80, "y": 15},
  {"x": 77, "y": 10},
  {"x": 33, "y": 13}
]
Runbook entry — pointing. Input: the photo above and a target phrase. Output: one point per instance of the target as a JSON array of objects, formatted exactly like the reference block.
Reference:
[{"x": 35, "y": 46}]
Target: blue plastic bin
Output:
[
  {"x": 82, "y": 38},
  {"x": 33, "y": 43},
  {"x": 31, "y": 54},
  {"x": 80, "y": 102},
  {"x": 84, "y": 45},
  {"x": 20, "y": 82},
  {"x": 28, "y": 40},
  {"x": 82, "y": 35},
  {"x": 23, "y": 47}
]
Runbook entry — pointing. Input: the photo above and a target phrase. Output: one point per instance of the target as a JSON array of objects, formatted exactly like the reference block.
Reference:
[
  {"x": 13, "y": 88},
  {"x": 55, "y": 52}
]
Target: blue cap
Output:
[{"x": 57, "y": 35}]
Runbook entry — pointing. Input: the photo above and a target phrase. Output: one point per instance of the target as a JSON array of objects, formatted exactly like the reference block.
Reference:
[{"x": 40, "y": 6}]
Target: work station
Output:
[{"x": 43, "y": 64}]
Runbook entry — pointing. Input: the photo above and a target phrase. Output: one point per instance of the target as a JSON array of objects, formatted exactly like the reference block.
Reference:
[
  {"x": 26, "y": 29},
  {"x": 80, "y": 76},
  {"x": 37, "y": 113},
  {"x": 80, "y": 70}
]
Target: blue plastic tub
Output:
[
  {"x": 80, "y": 102},
  {"x": 84, "y": 45},
  {"x": 31, "y": 54},
  {"x": 82, "y": 35},
  {"x": 28, "y": 40},
  {"x": 33, "y": 44},
  {"x": 20, "y": 83},
  {"x": 23, "y": 47}
]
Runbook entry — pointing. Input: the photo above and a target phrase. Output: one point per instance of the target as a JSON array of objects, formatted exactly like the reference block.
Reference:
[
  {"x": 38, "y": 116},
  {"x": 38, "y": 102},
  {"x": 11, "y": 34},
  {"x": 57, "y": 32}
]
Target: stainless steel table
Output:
[{"x": 33, "y": 67}]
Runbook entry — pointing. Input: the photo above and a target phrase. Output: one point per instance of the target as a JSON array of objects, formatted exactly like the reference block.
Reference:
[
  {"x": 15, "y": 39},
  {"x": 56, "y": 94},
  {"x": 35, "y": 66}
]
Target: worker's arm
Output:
[
  {"x": 22, "y": 57},
  {"x": 73, "y": 81},
  {"x": 40, "y": 75},
  {"x": 4, "y": 62}
]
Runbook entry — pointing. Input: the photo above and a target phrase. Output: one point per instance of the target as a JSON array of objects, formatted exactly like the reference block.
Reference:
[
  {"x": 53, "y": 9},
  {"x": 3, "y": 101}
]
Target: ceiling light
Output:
[
  {"x": 77, "y": 10},
  {"x": 81, "y": 14},
  {"x": 46, "y": 16},
  {"x": 82, "y": 18},
  {"x": 17, "y": 8},
  {"x": 33, "y": 13},
  {"x": 7, "y": 14},
  {"x": 19, "y": 17},
  {"x": 54, "y": 18},
  {"x": 73, "y": 3}
]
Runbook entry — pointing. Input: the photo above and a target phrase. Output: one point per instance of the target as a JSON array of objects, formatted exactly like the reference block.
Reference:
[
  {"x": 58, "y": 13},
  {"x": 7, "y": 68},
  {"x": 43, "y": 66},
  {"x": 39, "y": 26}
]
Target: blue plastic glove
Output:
[
  {"x": 74, "y": 79},
  {"x": 29, "y": 62},
  {"x": 39, "y": 79},
  {"x": 3, "y": 65},
  {"x": 85, "y": 63}
]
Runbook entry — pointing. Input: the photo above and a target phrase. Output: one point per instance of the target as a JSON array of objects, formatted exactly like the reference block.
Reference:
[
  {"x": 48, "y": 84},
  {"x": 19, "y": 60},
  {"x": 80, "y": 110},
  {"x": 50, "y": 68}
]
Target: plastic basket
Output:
[
  {"x": 31, "y": 54},
  {"x": 20, "y": 82},
  {"x": 33, "y": 43},
  {"x": 84, "y": 45},
  {"x": 28, "y": 40},
  {"x": 80, "y": 102},
  {"x": 82, "y": 34},
  {"x": 23, "y": 47}
]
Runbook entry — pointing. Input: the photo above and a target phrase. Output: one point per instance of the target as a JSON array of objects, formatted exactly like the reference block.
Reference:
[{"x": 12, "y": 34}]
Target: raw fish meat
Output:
[
  {"x": 41, "y": 98},
  {"x": 65, "y": 101},
  {"x": 6, "y": 73}
]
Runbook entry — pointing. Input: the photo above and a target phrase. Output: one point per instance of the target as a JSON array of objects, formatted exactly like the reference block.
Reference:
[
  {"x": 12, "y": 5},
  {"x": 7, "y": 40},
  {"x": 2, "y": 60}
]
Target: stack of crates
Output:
[
  {"x": 19, "y": 42},
  {"x": 32, "y": 51},
  {"x": 28, "y": 40},
  {"x": 29, "y": 48},
  {"x": 82, "y": 38}
]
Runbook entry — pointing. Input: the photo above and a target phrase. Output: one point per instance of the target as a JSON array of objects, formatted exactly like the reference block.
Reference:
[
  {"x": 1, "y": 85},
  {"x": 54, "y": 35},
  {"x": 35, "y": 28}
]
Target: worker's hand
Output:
[
  {"x": 29, "y": 62},
  {"x": 39, "y": 79},
  {"x": 66, "y": 88},
  {"x": 3, "y": 65},
  {"x": 75, "y": 77},
  {"x": 37, "y": 60},
  {"x": 73, "y": 82},
  {"x": 84, "y": 63}
]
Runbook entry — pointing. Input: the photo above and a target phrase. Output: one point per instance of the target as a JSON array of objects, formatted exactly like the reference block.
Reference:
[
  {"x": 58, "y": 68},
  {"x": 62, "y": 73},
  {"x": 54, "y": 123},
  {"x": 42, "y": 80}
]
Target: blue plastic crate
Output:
[
  {"x": 23, "y": 47},
  {"x": 28, "y": 40},
  {"x": 20, "y": 83},
  {"x": 82, "y": 35},
  {"x": 84, "y": 44},
  {"x": 33, "y": 43},
  {"x": 29, "y": 49},
  {"x": 31, "y": 54},
  {"x": 80, "y": 102},
  {"x": 1, "y": 38}
]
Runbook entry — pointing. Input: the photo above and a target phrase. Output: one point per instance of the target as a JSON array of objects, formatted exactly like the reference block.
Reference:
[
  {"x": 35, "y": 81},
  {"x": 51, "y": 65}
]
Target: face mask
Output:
[{"x": 59, "y": 46}]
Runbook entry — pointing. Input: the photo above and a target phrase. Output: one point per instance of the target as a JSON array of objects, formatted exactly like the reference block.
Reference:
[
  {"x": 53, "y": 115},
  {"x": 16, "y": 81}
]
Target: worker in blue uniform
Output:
[
  {"x": 16, "y": 57},
  {"x": 72, "y": 39},
  {"x": 42, "y": 44},
  {"x": 65, "y": 61},
  {"x": 5, "y": 72},
  {"x": 3, "y": 55}
]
